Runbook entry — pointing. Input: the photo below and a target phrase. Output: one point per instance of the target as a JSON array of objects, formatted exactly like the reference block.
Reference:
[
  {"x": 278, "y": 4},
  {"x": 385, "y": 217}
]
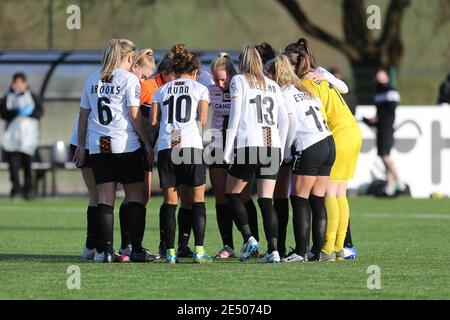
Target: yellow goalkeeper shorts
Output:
[{"x": 348, "y": 142}]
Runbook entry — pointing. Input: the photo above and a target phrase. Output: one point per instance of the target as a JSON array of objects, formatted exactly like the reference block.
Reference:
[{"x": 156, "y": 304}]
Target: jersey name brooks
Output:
[
  {"x": 311, "y": 127},
  {"x": 220, "y": 104},
  {"x": 109, "y": 104},
  {"x": 178, "y": 101}
]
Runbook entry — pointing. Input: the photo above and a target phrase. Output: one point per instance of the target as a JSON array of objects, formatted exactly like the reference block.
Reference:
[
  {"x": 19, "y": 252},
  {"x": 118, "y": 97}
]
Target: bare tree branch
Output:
[
  {"x": 355, "y": 25},
  {"x": 392, "y": 24},
  {"x": 296, "y": 11}
]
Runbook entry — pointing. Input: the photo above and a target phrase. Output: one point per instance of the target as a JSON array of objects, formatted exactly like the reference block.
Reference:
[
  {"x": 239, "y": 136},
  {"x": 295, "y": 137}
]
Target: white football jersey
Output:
[
  {"x": 109, "y": 103},
  {"x": 178, "y": 101},
  {"x": 311, "y": 126},
  {"x": 220, "y": 104},
  {"x": 253, "y": 111},
  {"x": 74, "y": 137}
]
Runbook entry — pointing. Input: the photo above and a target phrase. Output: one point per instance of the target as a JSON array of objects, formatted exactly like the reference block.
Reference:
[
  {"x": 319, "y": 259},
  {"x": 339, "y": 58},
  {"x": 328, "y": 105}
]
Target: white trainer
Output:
[
  {"x": 293, "y": 257},
  {"x": 87, "y": 254},
  {"x": 273, "y": 257},
  {"x": 248, "y": 248}
]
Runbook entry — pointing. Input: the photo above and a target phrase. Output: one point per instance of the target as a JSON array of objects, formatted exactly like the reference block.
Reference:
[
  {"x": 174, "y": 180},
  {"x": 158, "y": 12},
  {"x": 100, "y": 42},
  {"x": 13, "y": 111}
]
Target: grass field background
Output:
[{"x": 407, "y": 239}]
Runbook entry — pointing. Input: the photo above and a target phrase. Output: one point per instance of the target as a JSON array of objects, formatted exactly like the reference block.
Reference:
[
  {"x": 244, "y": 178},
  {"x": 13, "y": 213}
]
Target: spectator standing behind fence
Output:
[
  {"x": 22, "y": 110},
  {"x": 386, "y": 100},
  {"x": 444, "y": 92}
]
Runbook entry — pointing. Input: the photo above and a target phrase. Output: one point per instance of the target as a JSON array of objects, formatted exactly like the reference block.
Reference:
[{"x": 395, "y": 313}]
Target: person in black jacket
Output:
[
  {"x": 386, "y": 100},
  {"x": 444, "y": 91},
  {"x": 22, "y": 110}
]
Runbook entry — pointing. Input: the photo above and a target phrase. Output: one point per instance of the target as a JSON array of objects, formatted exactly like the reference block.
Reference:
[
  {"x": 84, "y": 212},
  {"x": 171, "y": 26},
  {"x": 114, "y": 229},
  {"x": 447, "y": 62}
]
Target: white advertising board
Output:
[{"x": 421, "y": 150}]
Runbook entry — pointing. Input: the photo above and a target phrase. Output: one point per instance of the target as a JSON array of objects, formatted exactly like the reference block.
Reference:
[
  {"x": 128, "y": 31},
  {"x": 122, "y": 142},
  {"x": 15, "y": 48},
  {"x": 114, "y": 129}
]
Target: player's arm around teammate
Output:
[
  {"x": 111, "y": 102},
  {"x": 256, "y": 114},
  {"x": 180, "y": 148},
  {"x": 314, "y": 151},
  {"x": 348, "y": 140}
]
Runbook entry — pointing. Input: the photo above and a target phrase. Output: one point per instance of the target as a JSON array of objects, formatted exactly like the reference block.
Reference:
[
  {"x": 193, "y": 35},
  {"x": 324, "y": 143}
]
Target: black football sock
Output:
[
  {"x": 225, "y": 223},
  {"x": 168, "y": 214},
  {"x": 281, "y": 206},
  {"x": 270, "y": 223},
  {"x": 184, "y": 226},
  {"x": 136, "y": 219},
  {"x": 240, "y": 216},
  {"x": 124, "y": 227},
  {"x": 105, "y": 224},
  {"x": 91, "y": 236},
  {"x": 301, "y": 218},
  {"x": 252, "y": 214},
  {"x": 199, "y": 222},
  {"x": 319, "y": 222},
  {"x": 162, "y": 226},
  {"x": 348, "y": 243}
]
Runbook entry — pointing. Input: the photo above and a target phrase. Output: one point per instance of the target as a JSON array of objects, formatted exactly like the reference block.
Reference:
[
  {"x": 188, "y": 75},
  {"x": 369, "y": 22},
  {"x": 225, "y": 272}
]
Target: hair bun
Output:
[{"x": 179, "y": 48}]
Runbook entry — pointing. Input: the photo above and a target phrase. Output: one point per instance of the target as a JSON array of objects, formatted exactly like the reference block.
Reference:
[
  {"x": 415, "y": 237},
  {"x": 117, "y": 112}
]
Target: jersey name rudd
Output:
[{"x": 178, "y": 88}]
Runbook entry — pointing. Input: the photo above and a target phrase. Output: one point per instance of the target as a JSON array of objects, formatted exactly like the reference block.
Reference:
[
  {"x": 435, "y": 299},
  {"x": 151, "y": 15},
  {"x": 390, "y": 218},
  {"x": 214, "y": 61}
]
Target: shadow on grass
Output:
[{"x": 13, "y": 257}]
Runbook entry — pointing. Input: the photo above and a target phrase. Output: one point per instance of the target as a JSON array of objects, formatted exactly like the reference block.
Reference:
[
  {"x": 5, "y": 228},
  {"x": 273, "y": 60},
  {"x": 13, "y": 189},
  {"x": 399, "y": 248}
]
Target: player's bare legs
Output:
[
  {"x": 107, "y": 193},
  {"x": 89, "y": 181},
  {"x": 392, "y": 177},
  {"x": 148, "y": 186}
]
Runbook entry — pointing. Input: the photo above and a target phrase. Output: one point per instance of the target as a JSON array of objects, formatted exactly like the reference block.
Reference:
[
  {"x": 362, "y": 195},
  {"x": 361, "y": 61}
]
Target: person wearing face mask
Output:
[{"x": 21, "y": 109}]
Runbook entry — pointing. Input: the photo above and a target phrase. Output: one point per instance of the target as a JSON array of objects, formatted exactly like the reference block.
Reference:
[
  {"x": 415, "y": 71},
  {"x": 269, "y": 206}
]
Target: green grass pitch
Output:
[{"x": 407, "y": 239}]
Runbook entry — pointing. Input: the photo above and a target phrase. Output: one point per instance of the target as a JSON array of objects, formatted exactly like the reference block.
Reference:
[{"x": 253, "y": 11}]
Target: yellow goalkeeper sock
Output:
[
  {"x": 344, "y": 215},
  {"x": 332, "y": 206}
]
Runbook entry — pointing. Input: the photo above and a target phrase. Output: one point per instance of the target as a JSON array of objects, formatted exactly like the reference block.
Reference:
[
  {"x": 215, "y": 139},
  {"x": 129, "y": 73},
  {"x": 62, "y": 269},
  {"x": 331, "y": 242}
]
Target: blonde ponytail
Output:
[
  {"x": 145, "y": 58},
  {"x": 252, "y": 68},
  {"x": 115, "y": 52},
  {"x": 282, "y": 73}
]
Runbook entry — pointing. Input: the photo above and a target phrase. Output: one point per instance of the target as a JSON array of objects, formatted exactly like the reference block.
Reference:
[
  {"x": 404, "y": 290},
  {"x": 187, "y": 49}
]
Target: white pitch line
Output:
[{"x": 387, "y": 215}]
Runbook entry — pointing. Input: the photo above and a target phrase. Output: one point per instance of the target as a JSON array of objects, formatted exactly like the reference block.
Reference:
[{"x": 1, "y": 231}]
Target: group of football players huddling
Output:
[{"x": 278, "y": 123}]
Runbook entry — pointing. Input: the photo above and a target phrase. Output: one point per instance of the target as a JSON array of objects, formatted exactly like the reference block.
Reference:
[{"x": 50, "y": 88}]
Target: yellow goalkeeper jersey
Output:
[{"x": 335, "y": 110}]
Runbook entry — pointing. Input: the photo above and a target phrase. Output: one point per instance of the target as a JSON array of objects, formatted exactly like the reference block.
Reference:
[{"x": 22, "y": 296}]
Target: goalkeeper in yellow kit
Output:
[{"x": 348, "y": 139}]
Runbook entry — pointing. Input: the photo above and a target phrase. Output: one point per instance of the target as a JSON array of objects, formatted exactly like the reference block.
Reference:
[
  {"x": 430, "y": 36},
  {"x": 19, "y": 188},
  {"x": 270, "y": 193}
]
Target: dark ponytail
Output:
[
  {"x": 303, "y": 47},
  {"x": 265, "y": 51}
]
